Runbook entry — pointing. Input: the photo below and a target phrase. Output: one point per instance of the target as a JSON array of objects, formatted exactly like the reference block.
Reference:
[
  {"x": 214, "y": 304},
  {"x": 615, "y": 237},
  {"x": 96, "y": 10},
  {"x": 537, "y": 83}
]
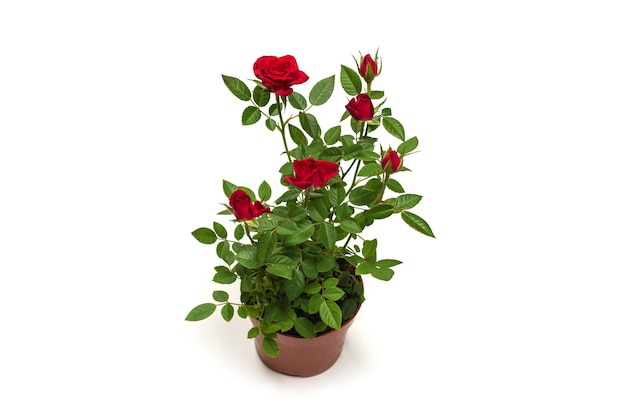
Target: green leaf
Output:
[
  {"x": 247, "y": 257},
  {"x": 315, "y": 302},
  {"x": 201, "y": 312},
  {"x": 380, "y": 211},
  {"x": 313, "y": 288},
  {"x": 270, "y": 124},
  {"x": 220, "y": 296},
  {"x": 239, "y": 232},
  {"x": 325, "y": 263},
  {"x": 322, "y": 90},
  {"x": 261, "y": 96},
  {"x": 351, "y": 226},
  {"x": 266, "y": 246},
  {"x": 237, "y": 87},
  {"x": 297, "y": 100},
  {"x": 407, "y": 201},
  {"x": 370, "y": 170},
  {"x": 304, "y": 327},
  {"x": 394, "y": 186},
  {"x": 223, "y": 275},
  {"x": 297, "y": 135},
  {"x": 310, "y": 125},
  {"x": 388, "y": 262},
  {"x": 300, "y": 236},
  {"x": 383, "y": 273},
  {"x": 250, "y": 115},
  {"x": 369, "y": 249},
  {"x": 228, "y": 312},
  {"x": 270, "y": 346},
  {"x": 417, "y": 223},
  {"x": 334, "y": 293},
  {"x": 204, "y": 235},
  {"x": 377, "y": 94},
  {"x": 281, "y": 270},
  {"x": 366, "y": 268},
  {"x": 362, "y": 196},
  {"x": 295, "y": 286},
  {"x": 220, "y": 230},
  {"x": 394, "y": 127},
  {"x": 332, "y": 135},
  {"x": 228, "y": 188},
  {"x": 330, "y": 314},
  {"x": 408, "y": 145},
  {"x": 253, "y": 332},
  {"x": 265, "y": 191},
  {"x": 350, "y": 81},
  {"x": 328, "y": 235}
]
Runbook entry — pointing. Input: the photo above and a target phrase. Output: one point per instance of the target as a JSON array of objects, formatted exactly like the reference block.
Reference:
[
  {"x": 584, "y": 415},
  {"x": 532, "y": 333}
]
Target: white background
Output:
[{"x": 116, "y": 132}]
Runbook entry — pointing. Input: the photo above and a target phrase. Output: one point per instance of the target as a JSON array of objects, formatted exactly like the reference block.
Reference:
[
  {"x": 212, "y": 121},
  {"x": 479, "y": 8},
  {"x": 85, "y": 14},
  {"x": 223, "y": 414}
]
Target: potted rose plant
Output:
[{"x": 299, "y": 260}]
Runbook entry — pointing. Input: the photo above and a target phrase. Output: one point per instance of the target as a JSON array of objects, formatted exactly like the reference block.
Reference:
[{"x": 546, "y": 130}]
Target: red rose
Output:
[
  {"x": 310, "y": 172},
  {"x": 243, "y": 208},
  {"x": 361, "y": 107},
  {"x": 368, "y": 68},
  {"x": 393, "y": 158},
  {"x": 278, "y": 74}
]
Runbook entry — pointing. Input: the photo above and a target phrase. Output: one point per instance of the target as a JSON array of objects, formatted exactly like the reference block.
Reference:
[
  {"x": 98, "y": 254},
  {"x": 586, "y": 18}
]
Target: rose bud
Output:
[
  {"x": 391, "y": 157},
  {"x": 361, "y": 107}
]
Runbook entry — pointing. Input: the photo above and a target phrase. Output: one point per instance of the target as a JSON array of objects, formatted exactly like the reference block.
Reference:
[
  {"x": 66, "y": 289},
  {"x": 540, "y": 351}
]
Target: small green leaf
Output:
[
  {"x": 237, "y": 87},
  {"x": 330, "y": 314},
  {"x": 332, "y": 135},
  {"x": 261, "y": 96},
  {"x": 310, "y": 125},
  {"x": 417, "y": 223},
  {"x": 295, "y": 286},
  {"x": 201, "y": 312},
  {"x": 266, "y": 246},
  {"x": 281, "y": 270},
  {"x": 322, "y": 90},
  {"x": 223, "y": 275},
  {"x": 204, "y": 235},
  {"x": 304, "y": 327},
  {"x": 270, "y": 346},
  {"x": 247, "y": 257},
  {"x": 377, "y": 94},
  {"x": 365, "y": 268},
  {"x": 395, "y": 186},
  {"x": 312, "y": 288},
  {"x": 297, "y": 100},
  {"x": 370, "y": 170},
  {"x": 333, "y": 293},
  {"x": 297, "y": 135},
  {"x": 228, "y": 188},
  {"x": 388, "y": 263},
  {"x": 228, "y": 312},
  {"x": 220, "y": 230},
  {"x": 253, "y": 332},
  {"x": 239, "y": 232},
  {"x": 408, "y": 145},
  {"x": 369, "y": 249},
  {"x": 350, "y": 81},
  {"x": 220, "y": 296},
  {"x": 407, "y": 201},
  {"x": 270, "y": 124},
  {"x": 303, "y": 234},
  {"x": 349, "y": 225},
  {"x": 315, "y": 302},
  {"x": 383, "y": 273},
  {"x": 250, "y": 115},
  {"x": 362, "y": 196},
  {"x": 328, "y": 236},
  {"x": 265, "y": 191},
  {"x": 394, "y": 127}
]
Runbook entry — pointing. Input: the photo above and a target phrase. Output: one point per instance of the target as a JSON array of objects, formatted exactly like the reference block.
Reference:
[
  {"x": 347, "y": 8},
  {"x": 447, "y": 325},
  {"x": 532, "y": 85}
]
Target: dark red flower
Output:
[
  {"x": 393, "y": 158},
  {"x": 278, "y": 74},
  {"x": 243, "y": 208},
  {"x": 368, "y": 68},
  {"x": 310, "y": 172},
  {"x": 361, "y": 107}
]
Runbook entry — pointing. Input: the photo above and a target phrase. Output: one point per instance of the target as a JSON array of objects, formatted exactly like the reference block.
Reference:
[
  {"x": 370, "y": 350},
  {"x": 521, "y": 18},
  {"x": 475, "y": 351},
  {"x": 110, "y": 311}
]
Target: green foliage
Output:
[{"x": 299, "y": 269}]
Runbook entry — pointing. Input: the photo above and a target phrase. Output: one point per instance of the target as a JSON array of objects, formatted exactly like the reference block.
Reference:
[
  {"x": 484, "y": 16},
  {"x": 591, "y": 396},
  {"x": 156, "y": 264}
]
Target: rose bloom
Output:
[
  {"x": 391, "y": 157},
  {"x": 278, "y": 74},
  {"x": 367, "y": 62},
  {"x": 243, "y": 208},
  {"x": 310, "y": 172},
  {"x": 361, "y": 107}
]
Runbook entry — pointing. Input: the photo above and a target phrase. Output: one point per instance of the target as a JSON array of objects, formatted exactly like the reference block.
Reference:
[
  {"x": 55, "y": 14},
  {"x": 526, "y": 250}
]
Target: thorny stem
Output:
[{"x": 282, "y": 127}]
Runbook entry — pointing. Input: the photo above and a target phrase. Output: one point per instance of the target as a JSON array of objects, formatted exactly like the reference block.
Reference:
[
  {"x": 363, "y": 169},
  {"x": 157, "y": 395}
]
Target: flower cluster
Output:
[{"x": 300, "y": 260}]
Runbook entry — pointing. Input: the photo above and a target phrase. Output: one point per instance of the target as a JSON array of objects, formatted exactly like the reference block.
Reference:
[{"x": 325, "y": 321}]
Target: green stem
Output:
[{"x": 282, "y": 127}]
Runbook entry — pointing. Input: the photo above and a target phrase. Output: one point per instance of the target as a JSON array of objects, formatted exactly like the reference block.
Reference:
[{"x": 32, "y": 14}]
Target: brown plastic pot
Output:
[{"x": 305, "y": 357}]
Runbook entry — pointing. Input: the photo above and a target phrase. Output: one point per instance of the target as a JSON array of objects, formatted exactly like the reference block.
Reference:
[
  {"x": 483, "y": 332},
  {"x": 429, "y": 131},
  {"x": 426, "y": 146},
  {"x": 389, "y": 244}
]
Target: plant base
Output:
[{"x": 305, "y": 357}]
